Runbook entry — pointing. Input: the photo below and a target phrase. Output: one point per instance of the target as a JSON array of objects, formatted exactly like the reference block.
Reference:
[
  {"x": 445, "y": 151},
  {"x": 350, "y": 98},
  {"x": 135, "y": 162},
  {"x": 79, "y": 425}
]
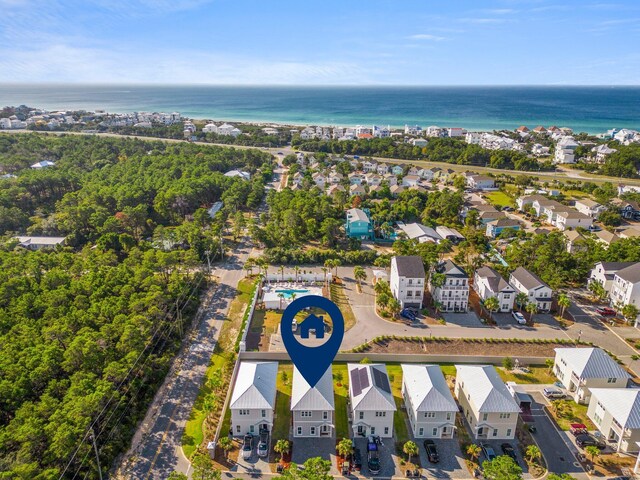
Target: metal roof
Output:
[
  {"x": 417, "y": 230},
  {"x": 622, "y": 403},
  {"x": 320, "y": 397},
  {"x": 427, "y": 388},
  {"x": 368, "y": 392},
  {"x": 591, "y": 363},
  {"x": 487, "y": 392},
  {"x": 255, "y": 385}
]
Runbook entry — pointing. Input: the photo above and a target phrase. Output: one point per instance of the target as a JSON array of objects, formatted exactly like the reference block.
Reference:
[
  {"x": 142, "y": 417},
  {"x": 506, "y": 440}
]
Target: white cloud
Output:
[{"x": 426, "y": 36}]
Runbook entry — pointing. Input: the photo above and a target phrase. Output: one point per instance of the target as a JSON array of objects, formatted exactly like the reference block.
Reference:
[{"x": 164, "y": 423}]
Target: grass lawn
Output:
[
  {"x": 538, "y": 375},
  {"x": 575, "y": 194},
  {"x": 231, "y": 328},
  {"x": 341, "y": 396},
  {"x": 339, "y": 298},
  {"x": 282, "y": 421},
  {"x": 267, "y": 319},
  {"x": 575, "y": 413},
  {"x": 500, "y": 199},
  {"x": 399, "y": 417}
]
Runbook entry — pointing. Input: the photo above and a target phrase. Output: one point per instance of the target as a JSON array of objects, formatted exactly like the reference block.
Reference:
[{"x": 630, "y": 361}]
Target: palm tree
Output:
[
  {"x": 281, "y": 297},
  {"x": 592, "y": 451},
  {"x": 411, "y": 449},
  {"x": 380, "y": 286},
  {"x": 281, "y": 270},
  {"x": 383, "y": 299},
  {"x": 282, "y": 447},
  {"x": 345, "y": 447},
  {"x": 394, "y": 307},
  {"x": 473, "y": 451},
  {"x": 564, "y": 302},
  {"x": 531, "y": 308},
  {"x": 492, "y": 304},
  {"x": 226, "y": 445},
  {"x": 336, "y": 263},
  {"x": 630, "y": 312},
  {"x": 437, "y": 306},
  {"x": 533, "y": 453},
  {"x": 296, "y": 270},
  {"x": 325, "y": 270},
  {"x": 360, "y": 275},
  {"x": 248, "y": 267},
  {"x": 521, "y": 300}
]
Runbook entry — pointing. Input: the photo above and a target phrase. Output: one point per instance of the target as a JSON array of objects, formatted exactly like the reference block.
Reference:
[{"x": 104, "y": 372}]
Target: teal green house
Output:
[{"x": 358, "y": 224}]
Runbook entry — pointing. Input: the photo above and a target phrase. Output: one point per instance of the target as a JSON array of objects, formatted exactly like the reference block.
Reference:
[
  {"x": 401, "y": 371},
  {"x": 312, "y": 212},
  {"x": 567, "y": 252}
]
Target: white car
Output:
[{"x": 519, "y": 318}]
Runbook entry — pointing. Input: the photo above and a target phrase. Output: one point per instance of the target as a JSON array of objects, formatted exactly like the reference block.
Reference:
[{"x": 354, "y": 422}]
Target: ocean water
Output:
[{"x": 585, "y": 109}]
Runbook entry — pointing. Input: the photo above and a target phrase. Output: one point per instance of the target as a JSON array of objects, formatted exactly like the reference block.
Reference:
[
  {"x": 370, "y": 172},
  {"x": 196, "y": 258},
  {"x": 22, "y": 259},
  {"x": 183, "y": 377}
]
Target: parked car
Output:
[
  {"x": 263, "y": 444},
  {"x": 578, "y": 429},
  {"x": 373, "y": 458},
  {"x": 519, "y": 318},
  {"x": 586, "y": 440},
  {"x": 247, "y": 446},
  {"x": 606, "y": 311},
  {"x": 551, "y": 392},
  {"x": 356, "y": 459},
  {"x": 432, "y": 451},
  {"x": 408, "y": 314},
  {"x": 488, "y": 451},
  {"x": 507, "y": 449}
]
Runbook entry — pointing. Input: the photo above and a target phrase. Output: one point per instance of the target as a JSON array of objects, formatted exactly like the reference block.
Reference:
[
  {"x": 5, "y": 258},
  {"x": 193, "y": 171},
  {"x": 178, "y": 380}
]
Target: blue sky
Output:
[{"x": 328, "y": 42}]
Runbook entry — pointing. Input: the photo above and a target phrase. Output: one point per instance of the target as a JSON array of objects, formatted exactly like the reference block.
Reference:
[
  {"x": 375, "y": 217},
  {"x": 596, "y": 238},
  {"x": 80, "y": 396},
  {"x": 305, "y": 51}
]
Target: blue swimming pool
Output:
[{"x": 287, "y": 292}]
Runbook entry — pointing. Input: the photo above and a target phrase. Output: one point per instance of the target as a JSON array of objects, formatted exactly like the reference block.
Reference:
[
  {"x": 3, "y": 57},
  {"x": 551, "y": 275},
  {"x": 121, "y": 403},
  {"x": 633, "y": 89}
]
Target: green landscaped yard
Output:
[
  {"x": 575, "y": 194},
  {"x": 341, "y": 397},
  {"x": 500, "y": 199},
  {"x": 399, "y": 417},
  {"x": 267, "y": 319},
  {"x": 575, "y": 413},
  {"x": 538, "y": 375},
  {"x": 282, "y": 421},
  {"x": 340, "y": 298}
]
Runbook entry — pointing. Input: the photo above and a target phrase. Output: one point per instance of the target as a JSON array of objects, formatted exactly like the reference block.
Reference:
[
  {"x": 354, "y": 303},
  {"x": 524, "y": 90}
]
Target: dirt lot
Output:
[{"x": 460, "y": 346}]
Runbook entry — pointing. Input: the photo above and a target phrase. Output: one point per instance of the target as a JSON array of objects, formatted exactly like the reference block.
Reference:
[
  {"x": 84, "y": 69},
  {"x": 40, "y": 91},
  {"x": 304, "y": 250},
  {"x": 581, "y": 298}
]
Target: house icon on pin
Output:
[{"x": 312, "y": 323}]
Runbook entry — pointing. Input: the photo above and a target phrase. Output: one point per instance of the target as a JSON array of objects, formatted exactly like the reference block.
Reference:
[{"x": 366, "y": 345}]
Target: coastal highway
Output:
[{"x": 562, "y": 174}]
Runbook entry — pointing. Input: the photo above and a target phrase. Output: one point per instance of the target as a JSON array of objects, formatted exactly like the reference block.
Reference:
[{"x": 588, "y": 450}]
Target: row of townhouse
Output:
[
  {"x": 484, "y": 400},
  {"x": 224, "y": 129},
  {"x": 559, "y": 215},
  {"x": 491, "y": 141},
  {"x": 621, "y": 281},
  {"x": 488, "y": 283}
]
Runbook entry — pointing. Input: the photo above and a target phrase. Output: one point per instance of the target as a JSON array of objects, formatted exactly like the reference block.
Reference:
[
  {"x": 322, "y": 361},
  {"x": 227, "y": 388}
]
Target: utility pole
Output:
[{"x": 95, "y": 448}]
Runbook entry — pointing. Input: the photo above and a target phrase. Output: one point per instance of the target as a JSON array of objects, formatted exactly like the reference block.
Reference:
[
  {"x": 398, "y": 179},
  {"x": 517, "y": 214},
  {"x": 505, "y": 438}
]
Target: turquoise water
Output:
[
  {"x": 290, "y": 291},
  {"x": 589, "y": 109}
]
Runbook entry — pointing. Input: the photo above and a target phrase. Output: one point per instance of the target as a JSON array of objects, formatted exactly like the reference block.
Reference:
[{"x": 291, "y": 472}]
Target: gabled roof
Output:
[
  {"x": 630, "y": 273},
  {"x": 612, "y": 267},
  {"x": 369, "y": 387},
  {"x": 357, "y": 215},
  {"x": 410, "y": 266},
  {"x": 450, "y": 269},
  {"x": 591, "y": 363},
  {"x": 495, "y": 281},
  {"x": 255, "y": 386},
  {"x": 486, "y": 390},
  {"x": 417, "y": 230},
  {"x": 572, "y": 235},
  {"x": 608, "y": 237},
  {"x": 622, "y": 403},
  {"x": 505, "y": 222},
  {"x": 320, "y": 397},
  {"x": 427, "y": 388},
  {"x": 527, "y": 279}
]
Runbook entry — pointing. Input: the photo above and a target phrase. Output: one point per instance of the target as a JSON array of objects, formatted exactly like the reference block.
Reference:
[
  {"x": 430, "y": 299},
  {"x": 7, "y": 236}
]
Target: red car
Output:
[{"x": 606, "y": 312}]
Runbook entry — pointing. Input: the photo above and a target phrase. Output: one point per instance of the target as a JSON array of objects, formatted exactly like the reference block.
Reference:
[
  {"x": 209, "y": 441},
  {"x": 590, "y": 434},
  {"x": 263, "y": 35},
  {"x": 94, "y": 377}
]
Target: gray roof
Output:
[
  {"x": 427, "y": 388},
  {"x": 320, "y": 397},
  {"x": 255, "y": 386},
  {"x": 631, "y": 273},
  {"x": 495, "y": 281},
  {"x": 417, "y": 230},
  {"x": 355, "y": 214},
  {"x": 527, "y": 279},
  {"x": 591, "y": 363},
  {"x": 615, "y": 266},
  {"x": 487, "y": 392},
  {"x": 622, "y": 403},
  {"x": 450, "y": 269},
  {"x": 410, "y": 266},
  {"x": 505, "y": 222}
]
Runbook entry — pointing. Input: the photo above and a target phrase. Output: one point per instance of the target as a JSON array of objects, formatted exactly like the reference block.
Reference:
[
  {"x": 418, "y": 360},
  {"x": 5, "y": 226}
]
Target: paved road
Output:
[{"x": 562, "y": 173}]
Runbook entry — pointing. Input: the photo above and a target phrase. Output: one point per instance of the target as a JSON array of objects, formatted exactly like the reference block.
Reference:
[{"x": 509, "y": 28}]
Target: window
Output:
[
  {"x": 484, "y": 417},
  {"x": 243, "y": 412},
  {"x": 420, "y": 431},
  {"x": 495, "y": 432},
  {"x": 410, "y": 281},
  {"x": 409, "y": 293},
  {"x": 505, "y": 415},
  {"x": 299, "y": 431},
  {"x": 435, "y": 432},
  {"x": 361, "y": 415},
  {"x": 381, "y": 414},
  {"x": 325, "y": 415},
  {"x": 305, "y": 414},
  {"x": 373, "y": 430},
  {"x": 449, "y": 415},
  {"x": 251, "y": 428},
  {"x": 313, "y": 431},
  {"x": 237, "y": 428},
  {"x": 418, "y": 293},
  {"x": 429, "y": 414},
  {"x": 611, "y": 380},
  {"x": 508, "y": 432},
  {"x": 264, "y": 413}
]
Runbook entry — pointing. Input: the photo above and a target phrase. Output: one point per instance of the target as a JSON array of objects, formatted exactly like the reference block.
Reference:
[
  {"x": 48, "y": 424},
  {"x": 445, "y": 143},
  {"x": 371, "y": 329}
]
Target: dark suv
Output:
[{"x": 432, "y": 451}]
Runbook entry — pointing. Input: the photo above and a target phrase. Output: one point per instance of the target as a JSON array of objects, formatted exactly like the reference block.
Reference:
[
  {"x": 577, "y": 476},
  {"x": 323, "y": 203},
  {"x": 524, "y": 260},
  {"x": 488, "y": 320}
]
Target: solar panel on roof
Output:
[
  {"x": 355, "y": 382},
  {"x": 381, "y": 380},
  {"x": 364, "y": 378}
]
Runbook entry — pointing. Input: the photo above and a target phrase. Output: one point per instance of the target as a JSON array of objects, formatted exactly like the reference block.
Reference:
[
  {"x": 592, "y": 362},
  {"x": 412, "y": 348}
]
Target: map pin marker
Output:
[{"x": 312, "y": 362}]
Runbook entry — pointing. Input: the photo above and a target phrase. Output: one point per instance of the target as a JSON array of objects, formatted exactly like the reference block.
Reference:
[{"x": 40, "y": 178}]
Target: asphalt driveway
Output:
[{"x": 451, "y": 464}]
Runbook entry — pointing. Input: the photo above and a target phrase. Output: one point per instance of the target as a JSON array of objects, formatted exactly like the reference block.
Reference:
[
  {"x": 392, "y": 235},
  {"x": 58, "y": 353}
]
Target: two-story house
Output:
[
  {"x": 537, "y": 291},
  {"x": 589, "y": 207},
  {"x": 430, "y": 406},
  {"x": 486, "y": 403},
  {"x": 254, "y": 397},
  {"x": 496, "y": 227},
  {"x": 489, "y": 283},
  {"x": 571, "y": 218},
  {"x": 616, "y": 414},
  {"x": 312, "y": 409},
  {"x": 625, "y": 288},
  {"x": 407, "y": 280},
  {"x": 453, "y": 293},
  {"x": 580, "y": 369},
  {"x": 604, "y": 273},
  {"x": 371, "y": 402},
  {"x": 358, "y": 224}
]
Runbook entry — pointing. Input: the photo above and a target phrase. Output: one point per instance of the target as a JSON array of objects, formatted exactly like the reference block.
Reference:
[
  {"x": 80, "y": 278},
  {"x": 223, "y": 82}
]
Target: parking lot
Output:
[
  {"x": 546, "y": 320},
  {"x": 468, "y": 319},
  {"x": 451, "y": 464}
]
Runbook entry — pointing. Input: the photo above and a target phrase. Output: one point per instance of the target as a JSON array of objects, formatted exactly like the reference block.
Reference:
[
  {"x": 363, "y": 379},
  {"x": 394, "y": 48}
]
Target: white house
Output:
[
  {"x": 382, "y": 169},
  {"x": 226, "y": 129},
  {"x": 489, "y": 283},
  {"x": 625, "y": 289},
  {"x": 43, "y": 164},
  {"x": 239, "y": 174},
  {"x": 480, "y": 182},
  {"x": 571, "y": 219},
  {"x": 589, "y": 207},
  {"x": 254, "y": 397},
  {"x": 419, "y": 232},
  {"x": 605, "y": 237},
  {"x": 486, "y": 403},
  {"x": 602, "y": 152},
  {"x": 604, "y": 273},
  {"x": 430, "y": 406},
  {"x": 453, "y": 294},
  {"x": 369, "y": 166},
  {"x": 312, "y": 409},
  {"x": 38, "y": 243},
  {"x": 371, "y": 401},
  {"x": 580, "y": 369},
  {"x": 565, "y": 150},
  {"x": 616, "y": 414},
  {"x": 528, "y": 282},
  {"x": 410, "y": 181},
  {"x": 407, "y": 280},
  {"x": 575, "y": 241}
]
